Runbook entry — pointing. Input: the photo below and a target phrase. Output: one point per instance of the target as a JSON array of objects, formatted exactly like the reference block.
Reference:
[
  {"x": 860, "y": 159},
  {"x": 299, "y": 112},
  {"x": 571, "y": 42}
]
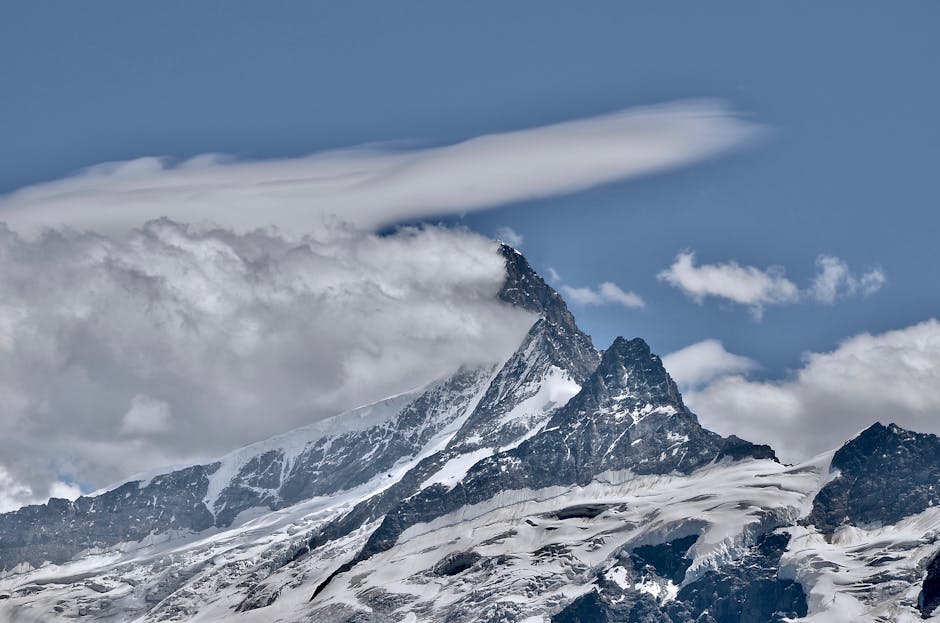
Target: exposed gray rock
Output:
[
  {"x": 58, "y": 530},
  {"x": 554, "y": 341},
  {"x": 336, "y": 463},
  {"x": 929, "y": 599},
  {"x": 886, "y": 473},
  {"x": 628, "y": 415},
  {"x": 747, "y": 590}
]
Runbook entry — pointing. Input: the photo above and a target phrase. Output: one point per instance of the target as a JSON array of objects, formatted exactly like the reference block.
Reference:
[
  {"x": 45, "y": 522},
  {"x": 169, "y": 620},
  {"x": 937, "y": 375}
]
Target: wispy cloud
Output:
[
  {"x": 757, "y": 288},
  {"x": 371, "y": 187},
  {"x": 834, "y": 280},
  {"x": 510, "y": 236},
  {"x": 606, "y": 293}
]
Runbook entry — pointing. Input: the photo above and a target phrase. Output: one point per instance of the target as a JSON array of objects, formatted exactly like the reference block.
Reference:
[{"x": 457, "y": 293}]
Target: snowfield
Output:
[
  {"x": 522, "y": 553},
  {"x": 518, "y": 549}
]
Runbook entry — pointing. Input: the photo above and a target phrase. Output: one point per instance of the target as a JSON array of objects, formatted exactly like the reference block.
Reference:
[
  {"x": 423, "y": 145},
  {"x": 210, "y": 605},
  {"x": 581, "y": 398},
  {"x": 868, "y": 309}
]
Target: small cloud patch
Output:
[
  {"x": 757, "y": 288},
  {"x": 605, "y": 294}
]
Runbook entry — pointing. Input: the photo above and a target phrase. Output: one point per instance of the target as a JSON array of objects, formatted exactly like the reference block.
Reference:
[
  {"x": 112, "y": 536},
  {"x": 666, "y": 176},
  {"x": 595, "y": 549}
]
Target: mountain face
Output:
[
  {"x": 561, "y": 485},
  {"x": 628, "y": 416},
  {"x": 273, "y": 475},
  {"x": 885, "y": 474}
]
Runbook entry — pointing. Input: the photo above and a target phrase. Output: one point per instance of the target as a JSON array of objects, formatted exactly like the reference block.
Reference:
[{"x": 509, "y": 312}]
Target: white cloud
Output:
[
  {"x": 510, "y": 236},
  {"x": 705, "y": 361},
  {"x": 372, "y": 187},
  {"x": 746, "y": 285},
  {"x": 174, "y": 343},
  {"x": 890, "y": 377},
  {"x": 553, "y": 275},
  {"x": 14, "y": 494},
  {"x": 757, "y": 287},
  {"x": 834, "y": 280},
  {"x": 147, "y": 416},
  {"x": 606, "y": 293}
]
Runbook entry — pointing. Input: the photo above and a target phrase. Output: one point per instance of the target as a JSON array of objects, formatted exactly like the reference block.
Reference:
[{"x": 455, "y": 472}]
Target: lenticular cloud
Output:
[{"x": 373, "y": 187}]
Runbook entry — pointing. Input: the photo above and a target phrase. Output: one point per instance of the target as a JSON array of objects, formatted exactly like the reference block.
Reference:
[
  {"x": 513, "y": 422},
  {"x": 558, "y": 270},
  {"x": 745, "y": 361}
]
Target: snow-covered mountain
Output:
[{"x": 560, "y": 485}]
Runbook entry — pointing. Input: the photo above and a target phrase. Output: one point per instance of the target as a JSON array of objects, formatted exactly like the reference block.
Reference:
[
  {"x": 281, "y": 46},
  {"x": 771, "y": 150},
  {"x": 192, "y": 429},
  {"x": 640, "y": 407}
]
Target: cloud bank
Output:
[
  {"x": 174, "y": 343},
  {"x": 370, "y": 188},
  {"x": 757, "y": 288},
  {"x": 889, "y": 377}
]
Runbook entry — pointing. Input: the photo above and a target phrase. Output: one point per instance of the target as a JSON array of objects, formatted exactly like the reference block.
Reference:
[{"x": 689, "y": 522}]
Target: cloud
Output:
[
  {"x": 175, "y": 343},
  {"x": 757, "y": 288},
  {"x": 146, "y": 416},
  {"x": 510, "y": 236},
  {"x": 705, "y": 361},
  {"x": 834, "y": 280},
  {"x": 371, "y": 187},
  {"x": 553, "y": 275},
  {"x": 746, "y": 285},
  {"x": 605, "y": 294},
  {"x": 888, "y": 377},
  {"x": 14, "y": 494}
]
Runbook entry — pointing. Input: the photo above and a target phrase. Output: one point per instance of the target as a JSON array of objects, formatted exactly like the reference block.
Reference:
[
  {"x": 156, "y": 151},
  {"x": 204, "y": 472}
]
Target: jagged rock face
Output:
[
  {"x": 748, "y": 590},
  {"x": 554, "y": 353},
  {"x": 512, "y": 407},
  {"x": 60, "y": 529},
  {"x": 886, "y": 473},
  {"x": 929, "y": 598},
  {"x": 526, "y": 289},
  {"x": 628, "y": 415},
  {"x": 546, "y": 363},
  {"x": 669, "y": 560},
  {"x": 554, "y": 358},
  {"x": 335, "y": 463},
  {"x": 274, "y": 478}
]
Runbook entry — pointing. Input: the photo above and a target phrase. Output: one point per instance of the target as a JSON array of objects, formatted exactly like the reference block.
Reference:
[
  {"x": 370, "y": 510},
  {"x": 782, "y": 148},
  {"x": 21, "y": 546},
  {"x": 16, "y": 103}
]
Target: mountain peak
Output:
[
  {"x": 885, "y": 473},
  {"x": 879, "y": 434},
  {"x": 630, "y": 371},
  {"x": 637, "y": 348},
  {"x": 525, "y": 288}
]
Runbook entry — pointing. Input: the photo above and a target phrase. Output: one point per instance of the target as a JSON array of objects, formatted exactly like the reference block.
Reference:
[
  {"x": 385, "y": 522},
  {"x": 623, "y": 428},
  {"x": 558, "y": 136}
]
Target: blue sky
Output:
[
  {"x": 847, "y": 166},
  {"x": 847, "y": 89}
]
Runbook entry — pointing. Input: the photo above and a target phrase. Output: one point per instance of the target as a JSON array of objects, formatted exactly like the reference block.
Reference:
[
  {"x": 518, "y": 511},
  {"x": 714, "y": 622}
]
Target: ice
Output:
[{"x": 456, "y": 468}]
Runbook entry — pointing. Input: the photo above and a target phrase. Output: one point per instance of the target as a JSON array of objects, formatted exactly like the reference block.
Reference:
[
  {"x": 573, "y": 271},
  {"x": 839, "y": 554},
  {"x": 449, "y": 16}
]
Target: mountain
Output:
[{"x": 562, "y": 484}]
